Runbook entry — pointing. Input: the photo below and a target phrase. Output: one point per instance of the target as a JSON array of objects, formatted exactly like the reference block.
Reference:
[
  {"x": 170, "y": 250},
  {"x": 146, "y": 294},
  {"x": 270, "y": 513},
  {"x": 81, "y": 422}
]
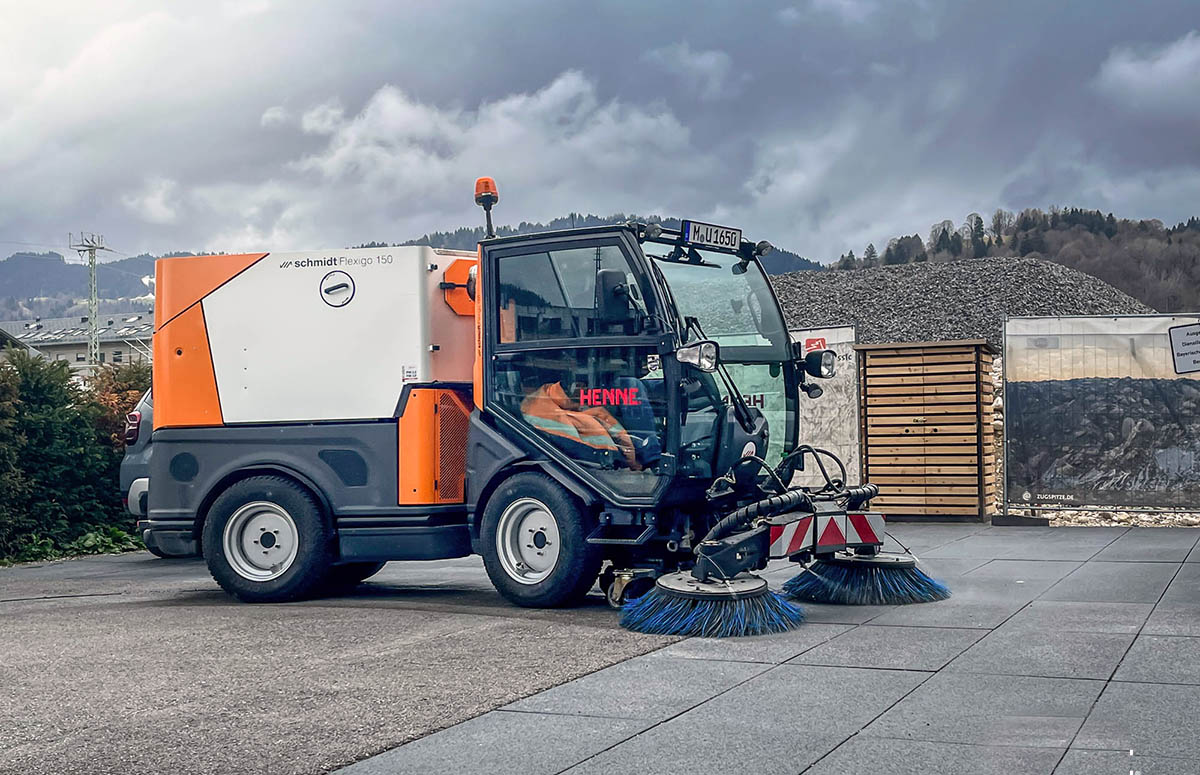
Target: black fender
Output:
[{"x": 492, "y": 457}]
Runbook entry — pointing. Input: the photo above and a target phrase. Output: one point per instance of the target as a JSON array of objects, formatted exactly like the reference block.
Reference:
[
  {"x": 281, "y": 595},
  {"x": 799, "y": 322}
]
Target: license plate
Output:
[{"x": 710, "y": 236}]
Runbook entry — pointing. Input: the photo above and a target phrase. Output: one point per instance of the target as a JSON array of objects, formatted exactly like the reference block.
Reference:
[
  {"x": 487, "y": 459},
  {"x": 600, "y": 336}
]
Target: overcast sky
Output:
[{"x": 820, "y": 124}]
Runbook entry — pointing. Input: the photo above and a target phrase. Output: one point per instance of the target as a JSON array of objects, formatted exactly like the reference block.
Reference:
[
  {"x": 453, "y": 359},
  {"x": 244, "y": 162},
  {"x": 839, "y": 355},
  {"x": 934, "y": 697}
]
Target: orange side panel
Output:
[
  {"x": 432, "y": 447},
  {"x": 417, "y": 443},
  {"x": 185, "y": 386},
  {"x": 181, "y": 282},
  {"x": 459, "y": 272},
  {"x": 479, "y": 309}
]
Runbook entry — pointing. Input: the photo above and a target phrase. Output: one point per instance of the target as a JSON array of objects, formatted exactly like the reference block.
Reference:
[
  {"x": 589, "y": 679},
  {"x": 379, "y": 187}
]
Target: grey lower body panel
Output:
[
  {"x": 379, "y": 544},
  {"x": 352, "y": 467}
]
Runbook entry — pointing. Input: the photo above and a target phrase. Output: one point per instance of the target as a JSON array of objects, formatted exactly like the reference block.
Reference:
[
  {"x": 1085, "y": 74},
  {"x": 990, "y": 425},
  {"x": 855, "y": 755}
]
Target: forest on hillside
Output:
[
  {"x": 777, "y": 261},
  {"x": 1157, "y": 265}
]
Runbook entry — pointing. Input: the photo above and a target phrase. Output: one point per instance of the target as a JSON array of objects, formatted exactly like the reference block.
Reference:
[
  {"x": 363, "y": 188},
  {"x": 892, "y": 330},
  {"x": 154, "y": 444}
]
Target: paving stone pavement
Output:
[{"x": 1063, "y": 650}]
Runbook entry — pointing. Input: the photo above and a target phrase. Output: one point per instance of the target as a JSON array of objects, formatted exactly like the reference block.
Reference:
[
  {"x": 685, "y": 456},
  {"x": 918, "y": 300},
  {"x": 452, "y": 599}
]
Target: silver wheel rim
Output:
[
  {"x": 260, "y": 541},
  {"x": 527, "y": 541}
]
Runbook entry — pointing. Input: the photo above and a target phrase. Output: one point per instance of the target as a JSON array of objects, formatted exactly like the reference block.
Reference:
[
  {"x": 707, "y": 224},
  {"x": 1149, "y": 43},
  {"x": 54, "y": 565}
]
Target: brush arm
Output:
[{"x": 725, "y": 558}]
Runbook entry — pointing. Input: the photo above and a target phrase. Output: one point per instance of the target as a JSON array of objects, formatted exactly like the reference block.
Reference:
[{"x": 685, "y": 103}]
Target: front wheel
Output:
[
  {"x": 535, "y": 544},
  {"x": 266, "y": 541}
]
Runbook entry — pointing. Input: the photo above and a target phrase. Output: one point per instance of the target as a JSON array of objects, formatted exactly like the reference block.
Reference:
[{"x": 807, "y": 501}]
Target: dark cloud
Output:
[{"x": 819, "y": 124}]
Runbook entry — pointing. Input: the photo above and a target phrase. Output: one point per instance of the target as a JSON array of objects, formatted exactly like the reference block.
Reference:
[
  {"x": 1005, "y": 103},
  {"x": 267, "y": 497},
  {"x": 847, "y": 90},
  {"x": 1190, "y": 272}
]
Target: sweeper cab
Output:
[{"x": 613, "y": 403}]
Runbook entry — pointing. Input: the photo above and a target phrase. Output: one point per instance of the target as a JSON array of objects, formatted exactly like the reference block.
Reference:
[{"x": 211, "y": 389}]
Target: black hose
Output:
[
  {"x": 816, "y": 452},
  {"x": 763, "y": 508}
]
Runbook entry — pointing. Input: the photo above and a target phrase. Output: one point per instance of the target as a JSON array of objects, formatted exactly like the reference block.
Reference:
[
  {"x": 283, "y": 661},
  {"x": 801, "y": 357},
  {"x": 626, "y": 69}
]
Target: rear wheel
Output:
[
  {"x": 535, "y": 544},
  {"x": 266, "y": 541}
]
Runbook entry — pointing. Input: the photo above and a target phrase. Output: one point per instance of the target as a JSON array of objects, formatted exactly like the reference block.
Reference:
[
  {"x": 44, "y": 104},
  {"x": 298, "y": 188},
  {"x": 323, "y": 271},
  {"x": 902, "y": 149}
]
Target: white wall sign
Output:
[
  {"x": 832, "y": 421},
  {"x": 1185, "y": 347}
]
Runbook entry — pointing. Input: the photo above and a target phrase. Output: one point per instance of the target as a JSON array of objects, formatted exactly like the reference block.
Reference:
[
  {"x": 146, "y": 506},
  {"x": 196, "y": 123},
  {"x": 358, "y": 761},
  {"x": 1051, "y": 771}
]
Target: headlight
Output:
[
  {"x": 703, "y": 355},
  {"x": 822, "y": 363}
]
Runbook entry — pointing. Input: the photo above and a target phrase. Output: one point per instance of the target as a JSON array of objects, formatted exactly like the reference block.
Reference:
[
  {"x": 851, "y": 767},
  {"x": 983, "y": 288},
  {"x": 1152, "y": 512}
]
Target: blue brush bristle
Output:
[
  {"x": 658, "y": 612},
  {"x": 841, "y": 584}
]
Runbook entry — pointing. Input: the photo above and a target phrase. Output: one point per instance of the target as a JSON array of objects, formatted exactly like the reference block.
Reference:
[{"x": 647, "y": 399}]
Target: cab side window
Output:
[{"x": 555, "y": 294}]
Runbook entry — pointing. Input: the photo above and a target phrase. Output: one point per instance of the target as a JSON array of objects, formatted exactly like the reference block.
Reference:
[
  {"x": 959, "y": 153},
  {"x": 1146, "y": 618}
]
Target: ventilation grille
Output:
[{"x": 452, "y": 447}]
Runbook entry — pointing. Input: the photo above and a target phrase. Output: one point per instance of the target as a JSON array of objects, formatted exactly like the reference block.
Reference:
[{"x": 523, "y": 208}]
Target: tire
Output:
[
  {"x": 529, "y": 505},
  {"x": 351, "y": 574},
  {"x": 296, "y": 562}
]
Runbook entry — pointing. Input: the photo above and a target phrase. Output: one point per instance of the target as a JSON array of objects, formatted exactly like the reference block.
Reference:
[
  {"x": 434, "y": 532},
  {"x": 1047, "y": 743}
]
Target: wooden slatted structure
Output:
[{"x": 927, "y": 428}]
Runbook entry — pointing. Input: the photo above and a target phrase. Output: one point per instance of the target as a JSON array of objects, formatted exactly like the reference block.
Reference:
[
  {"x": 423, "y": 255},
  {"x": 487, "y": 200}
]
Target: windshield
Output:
[{"x": 738, "y": 311}]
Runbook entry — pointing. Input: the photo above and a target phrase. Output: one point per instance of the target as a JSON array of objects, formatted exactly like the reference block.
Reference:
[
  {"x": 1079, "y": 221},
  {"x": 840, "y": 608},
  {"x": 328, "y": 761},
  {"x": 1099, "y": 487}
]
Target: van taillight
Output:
[{"x": 133, "y": 422}]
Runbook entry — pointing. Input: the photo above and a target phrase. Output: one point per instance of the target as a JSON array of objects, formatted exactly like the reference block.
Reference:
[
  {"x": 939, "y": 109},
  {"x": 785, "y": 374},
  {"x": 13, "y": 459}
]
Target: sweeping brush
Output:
[
  {"x": 881, "y": 579},
  {"x": 679, "y": 604}
]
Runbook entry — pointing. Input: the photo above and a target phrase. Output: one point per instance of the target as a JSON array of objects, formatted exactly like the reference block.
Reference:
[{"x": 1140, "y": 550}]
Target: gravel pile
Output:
[{"x": 966, "y": 299}]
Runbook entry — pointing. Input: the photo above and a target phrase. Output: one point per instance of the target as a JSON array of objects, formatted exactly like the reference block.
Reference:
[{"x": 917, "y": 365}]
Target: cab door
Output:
[{"x": 573, "y": 362}]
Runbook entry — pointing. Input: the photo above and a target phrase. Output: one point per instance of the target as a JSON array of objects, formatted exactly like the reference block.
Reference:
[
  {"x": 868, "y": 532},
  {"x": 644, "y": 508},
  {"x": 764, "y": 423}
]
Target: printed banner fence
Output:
[{"x": 1103, "y": 411}]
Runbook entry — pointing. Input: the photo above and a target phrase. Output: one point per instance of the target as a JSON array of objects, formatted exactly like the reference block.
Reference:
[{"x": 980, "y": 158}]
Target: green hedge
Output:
[{"x": 59, "y": 457}]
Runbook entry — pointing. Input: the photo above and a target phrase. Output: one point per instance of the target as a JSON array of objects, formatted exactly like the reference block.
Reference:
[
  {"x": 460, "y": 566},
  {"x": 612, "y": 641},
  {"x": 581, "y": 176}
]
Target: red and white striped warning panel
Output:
[
  {"x": 831, "y": 532},
  {"x": 793, "y": 537},
  {"x": 864, "y": 529},
  {"x": 826, "y": 533}
]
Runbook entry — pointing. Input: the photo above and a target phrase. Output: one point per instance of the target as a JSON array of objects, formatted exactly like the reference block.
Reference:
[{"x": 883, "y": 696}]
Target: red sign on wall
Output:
[{"x": 812, "y": 345}]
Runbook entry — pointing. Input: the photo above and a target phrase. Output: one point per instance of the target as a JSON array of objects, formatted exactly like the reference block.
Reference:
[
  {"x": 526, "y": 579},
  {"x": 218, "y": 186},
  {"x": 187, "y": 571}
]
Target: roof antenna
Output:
[{"x": 486, "y": 195}]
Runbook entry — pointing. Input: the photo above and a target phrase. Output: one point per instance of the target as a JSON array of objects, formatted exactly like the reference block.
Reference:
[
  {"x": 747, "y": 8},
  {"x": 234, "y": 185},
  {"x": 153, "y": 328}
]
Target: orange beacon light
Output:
[{"x": 487, "y": 195}]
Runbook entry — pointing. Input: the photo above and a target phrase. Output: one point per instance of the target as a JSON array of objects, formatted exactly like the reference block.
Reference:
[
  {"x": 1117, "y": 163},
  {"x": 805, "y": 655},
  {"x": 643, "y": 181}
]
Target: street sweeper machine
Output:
[{"x": 614, "y": 403}]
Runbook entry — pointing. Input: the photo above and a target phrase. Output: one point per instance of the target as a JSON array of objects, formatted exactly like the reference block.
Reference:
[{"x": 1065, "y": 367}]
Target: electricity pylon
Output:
[{"x": 90, "y": 243}]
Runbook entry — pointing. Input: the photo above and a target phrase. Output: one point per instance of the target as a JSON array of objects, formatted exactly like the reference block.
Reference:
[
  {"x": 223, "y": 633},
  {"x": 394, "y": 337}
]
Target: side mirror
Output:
[
  {"x": 704, "y": 355},
  {"x": 612, "y": 296},
  {"x": 821, "y": 363}
]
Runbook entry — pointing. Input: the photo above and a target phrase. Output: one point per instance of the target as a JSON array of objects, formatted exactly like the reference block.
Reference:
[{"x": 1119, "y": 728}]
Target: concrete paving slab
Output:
[
  {"x": 654, "y": 689},
  {"x": 1171, "y": 618},
  {"x": 961, "y": 610},
  {"x": 998, "y": 571},
  {"x": 1050, "y": 653},
  {"x": 862, "y": 754},
  {"x": 770, "y": 649},
  {"x": 984, "y": 546},
  {"x": 1114, "y": 582},
  {"x": 921, "y": 538},
  {"x": 892, "y": 648},
  {"x": 501, "y": 741},
  {"x": 679, "y": 746},
  {"x": 1031, "y": 543},
  {"x": 817, "y": 613},
  {"x": 1149, "y": 719},
  {"x": 950, "y": 567},
  {"x": 1000, "y": 586},
  {"x": 1159, "y": 544},
  {"x": 1185, "y": 587},
  {"x": 1162, "y": 659},
  {"x": 991, "y": 710},
  {"x": 1079, "y": 762},
  {"x": 1065, "y": 616},
  {"x": 796, "y": 700}
]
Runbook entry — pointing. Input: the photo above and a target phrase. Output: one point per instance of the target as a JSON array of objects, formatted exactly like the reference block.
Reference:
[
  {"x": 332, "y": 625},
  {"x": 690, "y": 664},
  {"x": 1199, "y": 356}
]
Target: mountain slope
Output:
[{"x": 44, "y": 284}]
